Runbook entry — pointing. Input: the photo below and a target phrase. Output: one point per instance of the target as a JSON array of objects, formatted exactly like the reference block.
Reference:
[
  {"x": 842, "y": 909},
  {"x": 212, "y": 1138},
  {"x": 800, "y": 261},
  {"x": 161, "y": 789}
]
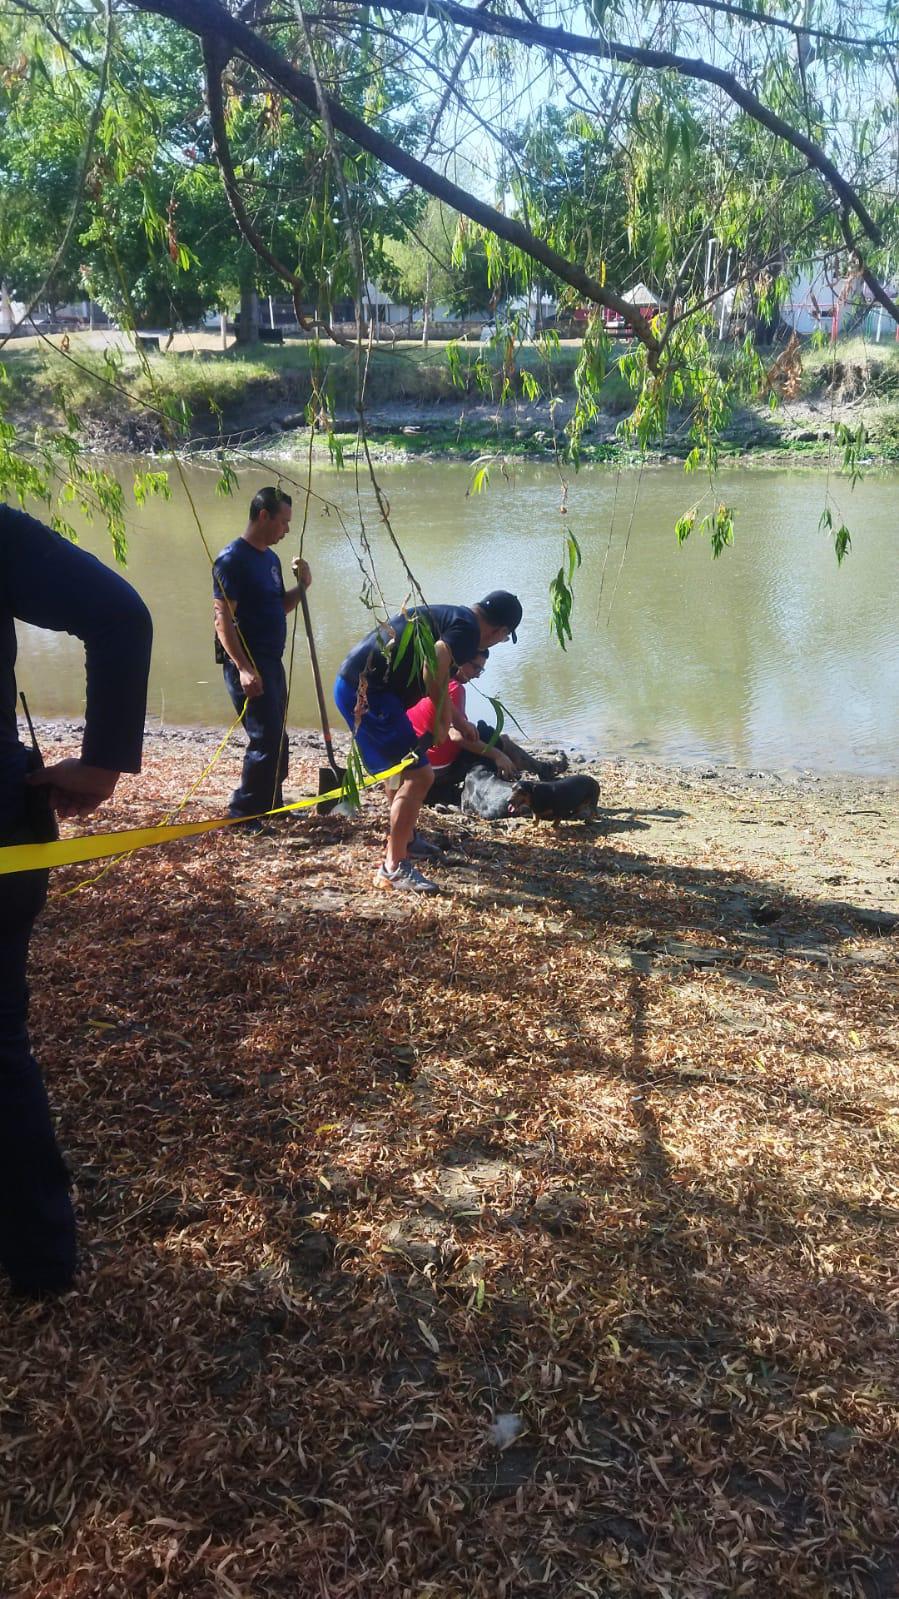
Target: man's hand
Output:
[
  {"x": 504, "y": 766},
  {"x": 251, "y": 683},
  {"x": 75, "y": 788},
  {"x": 301, "y": 572}
]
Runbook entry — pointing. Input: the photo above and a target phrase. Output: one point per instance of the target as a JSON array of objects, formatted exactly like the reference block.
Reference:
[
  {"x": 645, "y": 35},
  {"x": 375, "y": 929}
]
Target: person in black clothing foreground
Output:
[
  {"x": 251, "y": 610},
  {"x": 50, "y": 583}
]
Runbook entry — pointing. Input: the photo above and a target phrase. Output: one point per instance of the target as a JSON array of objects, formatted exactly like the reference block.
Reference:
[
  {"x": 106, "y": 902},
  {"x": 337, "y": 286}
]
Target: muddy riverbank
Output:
[
  {"x": 544, "y": 1228},
  {"x": 834, "y": 839},
  {"x": 416, "y": 405}
]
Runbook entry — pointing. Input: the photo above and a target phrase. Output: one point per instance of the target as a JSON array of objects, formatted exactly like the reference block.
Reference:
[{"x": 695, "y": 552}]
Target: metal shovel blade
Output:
[{"x": 329, "y": 778}]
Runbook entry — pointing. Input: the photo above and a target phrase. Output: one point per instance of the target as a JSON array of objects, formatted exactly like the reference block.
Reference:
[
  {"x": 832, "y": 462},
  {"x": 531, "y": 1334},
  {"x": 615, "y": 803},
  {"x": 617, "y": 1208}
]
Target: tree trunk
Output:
[
  {"x": 248, "y": 331},
  {"x": 426, "y": 318}
]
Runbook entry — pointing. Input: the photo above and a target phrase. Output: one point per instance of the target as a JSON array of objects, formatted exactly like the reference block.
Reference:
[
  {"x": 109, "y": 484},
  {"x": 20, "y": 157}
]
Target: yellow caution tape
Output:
[{"x": 96, "y": 846}]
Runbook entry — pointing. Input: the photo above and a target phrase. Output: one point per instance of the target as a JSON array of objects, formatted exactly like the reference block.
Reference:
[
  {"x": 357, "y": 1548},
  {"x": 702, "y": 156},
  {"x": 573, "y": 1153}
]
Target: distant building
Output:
[
  {"x": 643, "y": 299},
  {"x": 45, "y": 318},
  {"x": 814, "y": 298},
  {"x": 823, "y": 298}
]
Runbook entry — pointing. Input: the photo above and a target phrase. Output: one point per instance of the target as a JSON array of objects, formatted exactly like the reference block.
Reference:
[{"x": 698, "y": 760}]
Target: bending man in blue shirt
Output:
[
  {"x": 50, "y": 583},
  {"x": 251, "y": 610},
  {"x": 383, "y": 677}
]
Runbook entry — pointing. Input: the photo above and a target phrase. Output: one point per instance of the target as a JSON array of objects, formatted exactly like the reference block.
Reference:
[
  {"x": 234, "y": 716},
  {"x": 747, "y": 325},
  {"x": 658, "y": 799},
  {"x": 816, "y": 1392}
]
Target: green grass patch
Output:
[{"x": 209, "y": 381}]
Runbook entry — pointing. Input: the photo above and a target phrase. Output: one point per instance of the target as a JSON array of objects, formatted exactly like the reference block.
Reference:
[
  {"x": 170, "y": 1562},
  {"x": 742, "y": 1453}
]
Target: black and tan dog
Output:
[{"x": 569, "y": 799}]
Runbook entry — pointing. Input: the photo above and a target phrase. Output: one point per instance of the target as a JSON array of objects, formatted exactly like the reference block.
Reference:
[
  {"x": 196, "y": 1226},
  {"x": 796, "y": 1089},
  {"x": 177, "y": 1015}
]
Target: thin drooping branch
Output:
[
  {"x": 204, "y": 17},
  {"x": 449, "y": 89},
  {"x": 354, "y": 241},
  {"x": 39, "y": 13},
  {"x": 561, "y": 41},
  {"x": 215, "y": 59},
  {"x": 81, "y": 180},
  {"x": 451, "y": 84},
  {"x": 875, "y": 41}
]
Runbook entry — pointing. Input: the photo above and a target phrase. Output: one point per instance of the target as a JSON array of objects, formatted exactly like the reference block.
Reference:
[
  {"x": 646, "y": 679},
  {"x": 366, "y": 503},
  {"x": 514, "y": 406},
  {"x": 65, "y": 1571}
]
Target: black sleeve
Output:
[
  {"x": 224, "y": 578},
  {"x": 50, "y": 583},
  {"x": 463, "y": 638}
]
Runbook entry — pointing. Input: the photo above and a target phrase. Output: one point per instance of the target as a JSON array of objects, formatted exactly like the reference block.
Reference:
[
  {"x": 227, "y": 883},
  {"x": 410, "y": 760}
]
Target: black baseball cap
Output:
[{"x": 503, "y": 610}]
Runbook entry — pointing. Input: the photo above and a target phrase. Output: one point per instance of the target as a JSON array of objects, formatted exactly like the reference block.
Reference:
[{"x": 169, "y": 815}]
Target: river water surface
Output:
[{"x": 771, "y": 657}]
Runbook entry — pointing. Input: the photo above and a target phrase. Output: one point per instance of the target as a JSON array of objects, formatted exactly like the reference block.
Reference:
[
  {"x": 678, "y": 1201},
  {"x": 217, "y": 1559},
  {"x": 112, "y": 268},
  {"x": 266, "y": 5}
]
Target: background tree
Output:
[
  {"x": 435, "y": 262},
  {"x": 156, "y": 239},
  {"x": 716, "y": 126}
]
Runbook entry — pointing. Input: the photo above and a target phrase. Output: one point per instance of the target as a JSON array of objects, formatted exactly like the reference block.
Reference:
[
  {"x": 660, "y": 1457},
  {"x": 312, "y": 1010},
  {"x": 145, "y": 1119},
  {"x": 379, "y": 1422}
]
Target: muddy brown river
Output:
[{"x": 771, "y": 657}]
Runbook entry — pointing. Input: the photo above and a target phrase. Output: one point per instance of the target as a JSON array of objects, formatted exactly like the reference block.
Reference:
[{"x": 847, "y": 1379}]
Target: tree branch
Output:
[
  {"x": 207, "y": 17},
  {"x": 746, "y": 14},
  {"x": 560, "y": 41},
  {"x": 215, "y": 59}
]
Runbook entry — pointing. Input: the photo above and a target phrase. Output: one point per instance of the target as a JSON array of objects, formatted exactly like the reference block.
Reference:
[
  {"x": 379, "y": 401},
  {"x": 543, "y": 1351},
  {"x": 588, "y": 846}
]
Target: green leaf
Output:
[
  {"x": 684, "y": 526},
  {"x": 405, "y": 640},
  {"x": 561, "y": 600},
  {"x": 228, "y": 482},
  {"x": 147, "y": 484},
  {"x": 574, "y": 555},
  {"x": 480, "y": 481},
  {"x": 499, "y": 712}
]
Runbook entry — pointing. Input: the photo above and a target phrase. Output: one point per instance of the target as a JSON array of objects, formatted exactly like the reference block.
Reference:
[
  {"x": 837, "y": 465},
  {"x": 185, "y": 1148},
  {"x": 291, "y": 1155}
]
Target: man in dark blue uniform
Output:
[
  {"x": 251, "y": 610},
  {"x": 50, "y": 583},
  {"x": 384, "y": 676}
]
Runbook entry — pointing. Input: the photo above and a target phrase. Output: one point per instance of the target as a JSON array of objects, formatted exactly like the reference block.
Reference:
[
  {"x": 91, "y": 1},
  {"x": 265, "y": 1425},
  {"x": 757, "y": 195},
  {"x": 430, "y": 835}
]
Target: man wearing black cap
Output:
[{"x": 393, "y": 668}]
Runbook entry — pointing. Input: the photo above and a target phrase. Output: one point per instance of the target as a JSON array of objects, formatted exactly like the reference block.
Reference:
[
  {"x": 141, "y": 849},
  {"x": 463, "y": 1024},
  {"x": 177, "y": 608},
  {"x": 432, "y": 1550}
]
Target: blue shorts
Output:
[{"x": 385, "y": 734}]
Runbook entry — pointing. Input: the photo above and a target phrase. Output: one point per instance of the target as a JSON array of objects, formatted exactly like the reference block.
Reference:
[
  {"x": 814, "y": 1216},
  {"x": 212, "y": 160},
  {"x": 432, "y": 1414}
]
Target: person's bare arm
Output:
[
  {"x": 302, "y": 573},
  {"x": 461, "y": 725},
  {"x": 490, "y": 752},
  {"x": 437, "y": 686},
  {"x": 228, "y": 637}
]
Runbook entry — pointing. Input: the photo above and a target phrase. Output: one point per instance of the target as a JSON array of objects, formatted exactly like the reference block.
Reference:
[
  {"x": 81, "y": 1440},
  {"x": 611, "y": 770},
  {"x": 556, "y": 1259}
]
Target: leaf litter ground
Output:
[{"x": 602, "y": 1143}]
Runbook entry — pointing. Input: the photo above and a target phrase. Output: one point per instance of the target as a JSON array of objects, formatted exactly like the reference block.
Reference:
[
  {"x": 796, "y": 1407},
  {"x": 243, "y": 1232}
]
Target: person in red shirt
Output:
[{"x": 462, "y": 735}]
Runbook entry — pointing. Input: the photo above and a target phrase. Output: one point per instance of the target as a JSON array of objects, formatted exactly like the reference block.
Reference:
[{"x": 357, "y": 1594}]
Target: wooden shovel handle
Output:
[{"x": 317, "y": 677}]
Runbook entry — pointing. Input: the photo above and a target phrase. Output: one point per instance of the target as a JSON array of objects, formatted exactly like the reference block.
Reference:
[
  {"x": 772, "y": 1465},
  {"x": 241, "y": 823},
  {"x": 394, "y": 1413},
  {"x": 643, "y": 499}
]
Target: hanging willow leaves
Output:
[{"x": 561, "y": 593}]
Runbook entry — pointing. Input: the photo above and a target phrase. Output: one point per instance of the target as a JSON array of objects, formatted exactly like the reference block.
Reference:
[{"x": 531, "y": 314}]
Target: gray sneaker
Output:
[{"x": 405, "y": 877}]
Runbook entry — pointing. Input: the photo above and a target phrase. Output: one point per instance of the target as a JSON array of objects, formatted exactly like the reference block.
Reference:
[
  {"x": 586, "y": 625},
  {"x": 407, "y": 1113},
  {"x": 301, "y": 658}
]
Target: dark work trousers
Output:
[
  {"x": 265, "y": 763},
  {"x": 37, "y": 1222}
]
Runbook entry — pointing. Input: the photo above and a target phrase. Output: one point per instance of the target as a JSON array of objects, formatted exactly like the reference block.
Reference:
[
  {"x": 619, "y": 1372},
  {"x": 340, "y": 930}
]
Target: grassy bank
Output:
[
  {"x": 207, "y": 379},
  {"x": 414, "y": 404},
  {"x": 539, "y": 1239}
]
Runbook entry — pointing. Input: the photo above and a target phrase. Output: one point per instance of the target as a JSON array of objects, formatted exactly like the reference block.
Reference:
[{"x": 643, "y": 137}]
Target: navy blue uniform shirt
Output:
[
  {"x": 455, "y": 625},
  {"x": 51, "y": 583},
  {"x": 252, "y": 580}
]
